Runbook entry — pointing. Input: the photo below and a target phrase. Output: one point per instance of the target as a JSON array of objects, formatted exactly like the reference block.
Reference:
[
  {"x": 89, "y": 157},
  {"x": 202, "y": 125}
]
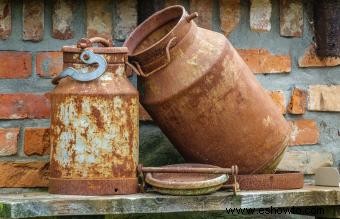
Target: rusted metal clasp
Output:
[
  {"x": 233, "y": 171},
  {"x": 138, "y": 69},
  {"x": 87, "y": 57}
]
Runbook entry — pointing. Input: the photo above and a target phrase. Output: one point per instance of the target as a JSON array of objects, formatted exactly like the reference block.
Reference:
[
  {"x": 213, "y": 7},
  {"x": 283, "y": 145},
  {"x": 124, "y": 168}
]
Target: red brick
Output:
[
  {"x": 204, "y": 9},
  {"x": 8, "y": 141},
  {"x": 33, "y": 20},
  {"x": 260, "y": 14},
  {"x": 24, "y": 105},
  {"x": 304, "y": 132},
  {"x": 15, "y": 64},
  {"x": 229, "y": 15},
  {"x": 291, "y": 18},
  {"x": 5, "y": 19},
  {"x": 279, "y": 99},
  {"x": 324, "y": 98},
  {"x": 37, "y": 141},
  {"x": 23, "y": 174},
  {"x": 49, "y": 64},
  {"x": 62, "y": 19},
  {"x": 143, "y": 114},
  {"x": 99, "y": 18},
  {"x": 298, "y": 101},
  {"x": 262, "y": 61},
  {"x": 310, "y": 59}
]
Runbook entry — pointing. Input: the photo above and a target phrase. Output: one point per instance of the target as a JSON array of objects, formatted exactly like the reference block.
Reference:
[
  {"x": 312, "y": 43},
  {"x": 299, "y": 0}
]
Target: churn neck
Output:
[
  {"x": 97, "y": 45},
  {"x": 169, "y": 24}
]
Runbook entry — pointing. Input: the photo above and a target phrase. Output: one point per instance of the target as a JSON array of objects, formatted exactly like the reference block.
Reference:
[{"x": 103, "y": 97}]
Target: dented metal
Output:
[
  {"x": 94, "y": 129},
  {"x": 205, "y": 99}
]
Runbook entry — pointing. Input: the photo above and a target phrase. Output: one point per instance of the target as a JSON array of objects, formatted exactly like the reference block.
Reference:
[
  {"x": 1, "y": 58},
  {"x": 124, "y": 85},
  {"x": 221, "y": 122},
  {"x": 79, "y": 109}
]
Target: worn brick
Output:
[
  {"x": 291, "y": 18},
  {"x": 143, "y": 114},
  {"x": 8, "y": 141},
  {"x": 324, "y": 98},
  {"x": 126, "y": 18},
  {"x": 24, "y": 105},
  {"x": 304, "y": 132},
  {"x": 260, "y": 14},
  {"x": 15, "y": 64},
  {"x": 23, "y": 174},
  {"x": 298, "y": 101},
  {"x": 62, "y": 19},
  {"x": 279, "y": 99},
  {"x": 229, "y": 15},
  {"x": 173, "y": 2},
  {"x": 49, "y": 64},
  {"x": 33, "y": 20},
  {"x": 37, "y": 141},
  {"x": 305, "y": 161},
  {"x": 204, "y": 9},
  {"x": 99, "y": 18},
  {"x": 5, "y": 19},
  {"x": 310, "y": 59},
  {"x": 262, "y": 61}
]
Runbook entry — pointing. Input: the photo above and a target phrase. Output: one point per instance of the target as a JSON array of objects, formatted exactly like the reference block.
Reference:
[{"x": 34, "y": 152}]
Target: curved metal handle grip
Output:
[
  {"x": 87, "y": 57},
  {"x": 137, "y": 68}
]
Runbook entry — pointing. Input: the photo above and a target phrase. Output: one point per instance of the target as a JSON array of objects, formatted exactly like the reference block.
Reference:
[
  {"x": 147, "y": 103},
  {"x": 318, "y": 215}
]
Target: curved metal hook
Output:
[{"x": 88, "y": 57}]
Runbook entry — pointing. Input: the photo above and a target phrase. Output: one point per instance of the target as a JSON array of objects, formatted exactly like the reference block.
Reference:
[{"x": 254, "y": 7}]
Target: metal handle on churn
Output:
[{"x": 87, "y": 57}]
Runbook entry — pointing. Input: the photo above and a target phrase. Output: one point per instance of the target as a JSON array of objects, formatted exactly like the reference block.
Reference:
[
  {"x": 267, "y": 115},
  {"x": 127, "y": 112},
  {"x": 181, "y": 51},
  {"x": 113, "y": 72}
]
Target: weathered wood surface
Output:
[{"x": 44, "y": 204}]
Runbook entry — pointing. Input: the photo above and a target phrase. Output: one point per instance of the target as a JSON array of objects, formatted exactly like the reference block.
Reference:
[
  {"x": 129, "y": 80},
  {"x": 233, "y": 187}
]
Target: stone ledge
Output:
[{"x": 37, "y": 204}]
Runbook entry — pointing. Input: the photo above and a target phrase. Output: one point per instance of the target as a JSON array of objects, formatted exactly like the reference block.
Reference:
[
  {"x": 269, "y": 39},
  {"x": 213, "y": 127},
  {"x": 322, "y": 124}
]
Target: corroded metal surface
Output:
[
  {"x": 186, "y": 183},
  {"x": 276, "y": 181},
  {"x": 94, "y": 132},
  {"x": 206, "y": 100}
]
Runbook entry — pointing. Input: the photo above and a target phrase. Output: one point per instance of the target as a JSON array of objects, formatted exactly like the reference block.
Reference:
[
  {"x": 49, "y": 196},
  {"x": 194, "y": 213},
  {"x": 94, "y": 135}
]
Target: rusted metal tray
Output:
[{"x": 279, "y": 180}]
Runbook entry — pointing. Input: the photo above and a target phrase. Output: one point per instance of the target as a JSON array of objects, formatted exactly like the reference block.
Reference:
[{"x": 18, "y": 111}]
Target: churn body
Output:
[
  {"x": 94, "y": 129},
  {"x": 203, "y": 96}
]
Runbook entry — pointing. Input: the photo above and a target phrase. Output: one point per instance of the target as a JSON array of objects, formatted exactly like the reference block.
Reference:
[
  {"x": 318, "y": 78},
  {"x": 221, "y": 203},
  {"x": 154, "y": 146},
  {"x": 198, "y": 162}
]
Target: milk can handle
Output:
[
  {"x": 137, "y": 68},
  {"x": 88, "y": 42},
  {"x": 87, "y": 57}
]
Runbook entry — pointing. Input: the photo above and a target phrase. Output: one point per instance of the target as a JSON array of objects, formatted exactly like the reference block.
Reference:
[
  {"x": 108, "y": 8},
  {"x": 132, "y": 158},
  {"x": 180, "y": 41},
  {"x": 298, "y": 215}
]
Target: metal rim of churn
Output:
[{"x": 189, "y": 178}]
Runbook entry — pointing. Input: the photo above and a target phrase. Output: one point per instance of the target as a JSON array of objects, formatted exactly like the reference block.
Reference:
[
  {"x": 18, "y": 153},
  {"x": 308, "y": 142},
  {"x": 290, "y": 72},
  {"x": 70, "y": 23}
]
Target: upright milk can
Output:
[
  {"x": 94, "y": 123},
  {"x": 203, "y": 96}
]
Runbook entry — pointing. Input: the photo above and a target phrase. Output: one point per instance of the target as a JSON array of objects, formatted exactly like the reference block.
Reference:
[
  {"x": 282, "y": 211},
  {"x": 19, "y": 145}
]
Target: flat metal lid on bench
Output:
[{"x": 186, "y": 183}]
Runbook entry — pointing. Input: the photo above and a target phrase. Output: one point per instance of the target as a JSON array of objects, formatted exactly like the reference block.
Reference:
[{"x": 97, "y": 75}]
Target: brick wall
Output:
[{"x": 275, "y": 38}]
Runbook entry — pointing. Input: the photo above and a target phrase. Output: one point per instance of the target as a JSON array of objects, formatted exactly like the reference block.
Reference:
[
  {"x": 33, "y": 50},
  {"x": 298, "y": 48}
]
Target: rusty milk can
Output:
[
  {"x": 203, "y": 96},
  {"x": 94, "y": 123}
]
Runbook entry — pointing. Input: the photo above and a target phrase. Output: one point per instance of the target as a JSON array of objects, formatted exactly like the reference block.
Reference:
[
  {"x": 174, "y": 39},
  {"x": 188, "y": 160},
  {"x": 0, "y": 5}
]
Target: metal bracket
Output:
[{"x": 88, "y": 57}]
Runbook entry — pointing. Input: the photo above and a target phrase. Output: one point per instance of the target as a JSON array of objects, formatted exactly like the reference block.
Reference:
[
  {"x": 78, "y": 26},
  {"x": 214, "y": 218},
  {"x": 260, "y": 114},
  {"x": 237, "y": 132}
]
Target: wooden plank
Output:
[
  {"x": 291, "y": 18},
  {"x": 260, "y": 14},
  {"x": 39, "y": 204},
  {"x": 5, "y": 19},
  {"x": 99, "y": 18},
  {"x": 62, "y": 19},
  {"x": 204, "y": 9},
  {"x": 126, "y": 18},
  {"x": 33, "y": 20},
  {"x": 229, "y": 15}
]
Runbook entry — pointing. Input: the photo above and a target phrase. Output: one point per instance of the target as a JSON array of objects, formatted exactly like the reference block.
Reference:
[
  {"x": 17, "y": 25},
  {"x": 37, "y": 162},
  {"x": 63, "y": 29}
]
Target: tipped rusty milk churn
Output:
[
  {"x": 94, "y": 123},
  {"x": 203, "y": 96}
]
